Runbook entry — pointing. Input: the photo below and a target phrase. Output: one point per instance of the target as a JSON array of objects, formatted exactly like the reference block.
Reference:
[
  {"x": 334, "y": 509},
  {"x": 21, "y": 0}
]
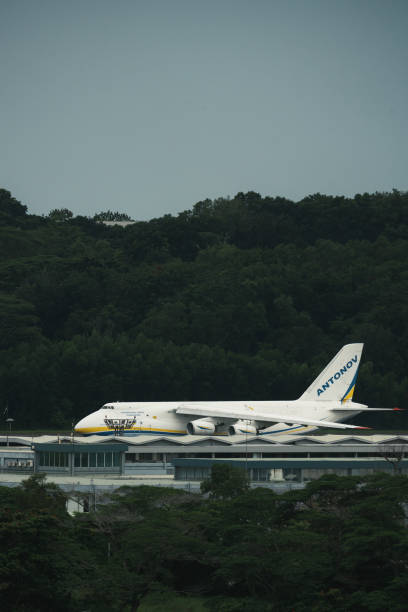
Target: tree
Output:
[
  {"x": 10, "y": 206},
  {"x": 42, "y": 566},
  {"x": 18, "y": 322},
  {"x": 109, "y": 215},
  {"x": 145, "y": 540},
  {"x": 226, "y": 481},
  {"x": 37, "y": 493},
  {"x": 393, "y": 454},
  {"x": 60, "y": 214}
]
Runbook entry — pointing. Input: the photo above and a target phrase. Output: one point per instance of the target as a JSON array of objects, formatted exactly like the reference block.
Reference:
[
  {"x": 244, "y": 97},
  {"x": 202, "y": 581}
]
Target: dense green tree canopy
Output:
[
  {"x": 244, "y": 297},
  {"x": 340, "y": 544},
  {"x": 110, "y": 215},
  {"x": 226, "y": 481}
]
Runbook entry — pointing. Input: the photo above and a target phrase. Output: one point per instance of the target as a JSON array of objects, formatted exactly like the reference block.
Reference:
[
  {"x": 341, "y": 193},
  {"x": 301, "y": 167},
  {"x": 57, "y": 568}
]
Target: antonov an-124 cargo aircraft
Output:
[{"x": 326, "y": 403}]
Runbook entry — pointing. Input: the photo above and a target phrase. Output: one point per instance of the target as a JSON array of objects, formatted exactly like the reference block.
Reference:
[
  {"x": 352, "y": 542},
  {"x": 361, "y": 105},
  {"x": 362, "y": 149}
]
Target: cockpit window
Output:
[{"x": 108, "y": 407}]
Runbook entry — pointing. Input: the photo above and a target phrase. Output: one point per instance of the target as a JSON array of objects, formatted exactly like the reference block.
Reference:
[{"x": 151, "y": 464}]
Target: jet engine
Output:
[
  {"x": 241, "y": 427},
  {"x": 200, "y": 427}
]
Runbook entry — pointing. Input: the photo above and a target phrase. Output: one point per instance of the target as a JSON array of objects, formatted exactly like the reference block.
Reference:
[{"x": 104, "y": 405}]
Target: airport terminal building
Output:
[{"x": 269, "y": 460}]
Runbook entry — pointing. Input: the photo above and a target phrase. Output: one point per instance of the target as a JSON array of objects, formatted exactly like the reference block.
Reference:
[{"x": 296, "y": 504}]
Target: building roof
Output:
[
  {"x": 224, "y": 444},
  {"x": 163, "y": 443}
]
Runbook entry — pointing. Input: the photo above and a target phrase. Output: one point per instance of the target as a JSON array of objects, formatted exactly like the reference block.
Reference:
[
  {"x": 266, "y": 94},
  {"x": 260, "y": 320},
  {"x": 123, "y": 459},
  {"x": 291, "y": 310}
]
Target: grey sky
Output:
[{"x": 149, "y": 106}]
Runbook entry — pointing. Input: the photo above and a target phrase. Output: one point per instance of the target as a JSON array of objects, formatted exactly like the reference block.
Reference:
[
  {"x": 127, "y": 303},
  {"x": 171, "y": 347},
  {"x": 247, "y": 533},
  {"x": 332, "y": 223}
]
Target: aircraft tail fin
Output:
[{"x": 338, "y": 379}]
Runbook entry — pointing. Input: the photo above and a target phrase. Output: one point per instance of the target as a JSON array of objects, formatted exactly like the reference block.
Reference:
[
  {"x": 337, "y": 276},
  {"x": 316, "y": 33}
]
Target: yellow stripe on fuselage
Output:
[{"x": 89, "y": 430}]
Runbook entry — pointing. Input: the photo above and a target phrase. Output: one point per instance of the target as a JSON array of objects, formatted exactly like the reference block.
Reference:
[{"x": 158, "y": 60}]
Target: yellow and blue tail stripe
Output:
[{"x": 349, "y": 393}]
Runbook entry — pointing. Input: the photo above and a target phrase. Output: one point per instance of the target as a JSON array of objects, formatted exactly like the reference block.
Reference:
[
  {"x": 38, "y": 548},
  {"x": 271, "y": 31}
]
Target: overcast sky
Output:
[{"x": 148, "y": 106}]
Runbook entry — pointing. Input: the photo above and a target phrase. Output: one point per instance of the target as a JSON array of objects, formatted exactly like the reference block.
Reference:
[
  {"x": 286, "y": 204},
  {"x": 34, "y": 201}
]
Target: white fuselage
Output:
[{"x": 135, "y": 418}]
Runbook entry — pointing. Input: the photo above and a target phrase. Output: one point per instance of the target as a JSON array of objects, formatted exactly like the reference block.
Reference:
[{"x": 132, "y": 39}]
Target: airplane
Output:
[{"x": 327, "y": 402}]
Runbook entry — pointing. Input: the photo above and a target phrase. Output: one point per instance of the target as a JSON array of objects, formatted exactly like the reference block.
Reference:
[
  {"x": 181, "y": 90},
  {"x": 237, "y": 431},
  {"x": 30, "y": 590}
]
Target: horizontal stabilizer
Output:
[
  {"x": 251, "y": 415},
  {"x": 365, "y": 409}
]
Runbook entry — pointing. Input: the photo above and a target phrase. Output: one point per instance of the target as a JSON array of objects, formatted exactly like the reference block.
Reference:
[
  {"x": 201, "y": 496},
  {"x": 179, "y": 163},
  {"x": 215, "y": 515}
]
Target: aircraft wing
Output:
[{"x": 252, "y": 415}]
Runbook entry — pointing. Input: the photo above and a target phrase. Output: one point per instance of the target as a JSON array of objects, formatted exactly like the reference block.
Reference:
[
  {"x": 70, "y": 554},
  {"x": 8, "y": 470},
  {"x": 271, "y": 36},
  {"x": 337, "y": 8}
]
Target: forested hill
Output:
[{"x": 238, "y": 298}]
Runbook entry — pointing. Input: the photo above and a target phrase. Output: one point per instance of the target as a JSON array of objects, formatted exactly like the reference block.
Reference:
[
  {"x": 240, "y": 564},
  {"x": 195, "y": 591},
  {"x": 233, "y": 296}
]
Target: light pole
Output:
[
  {"x": 9, "y": 421},
  {"x": 73, "y": 451}
]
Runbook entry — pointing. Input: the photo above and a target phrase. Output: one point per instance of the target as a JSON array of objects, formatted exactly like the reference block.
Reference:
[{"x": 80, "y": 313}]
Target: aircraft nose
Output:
[{"x": 81, "y": 426}]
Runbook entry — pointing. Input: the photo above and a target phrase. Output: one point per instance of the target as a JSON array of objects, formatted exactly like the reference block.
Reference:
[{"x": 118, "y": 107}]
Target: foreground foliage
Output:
[{"x": 339, "y": 544}]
